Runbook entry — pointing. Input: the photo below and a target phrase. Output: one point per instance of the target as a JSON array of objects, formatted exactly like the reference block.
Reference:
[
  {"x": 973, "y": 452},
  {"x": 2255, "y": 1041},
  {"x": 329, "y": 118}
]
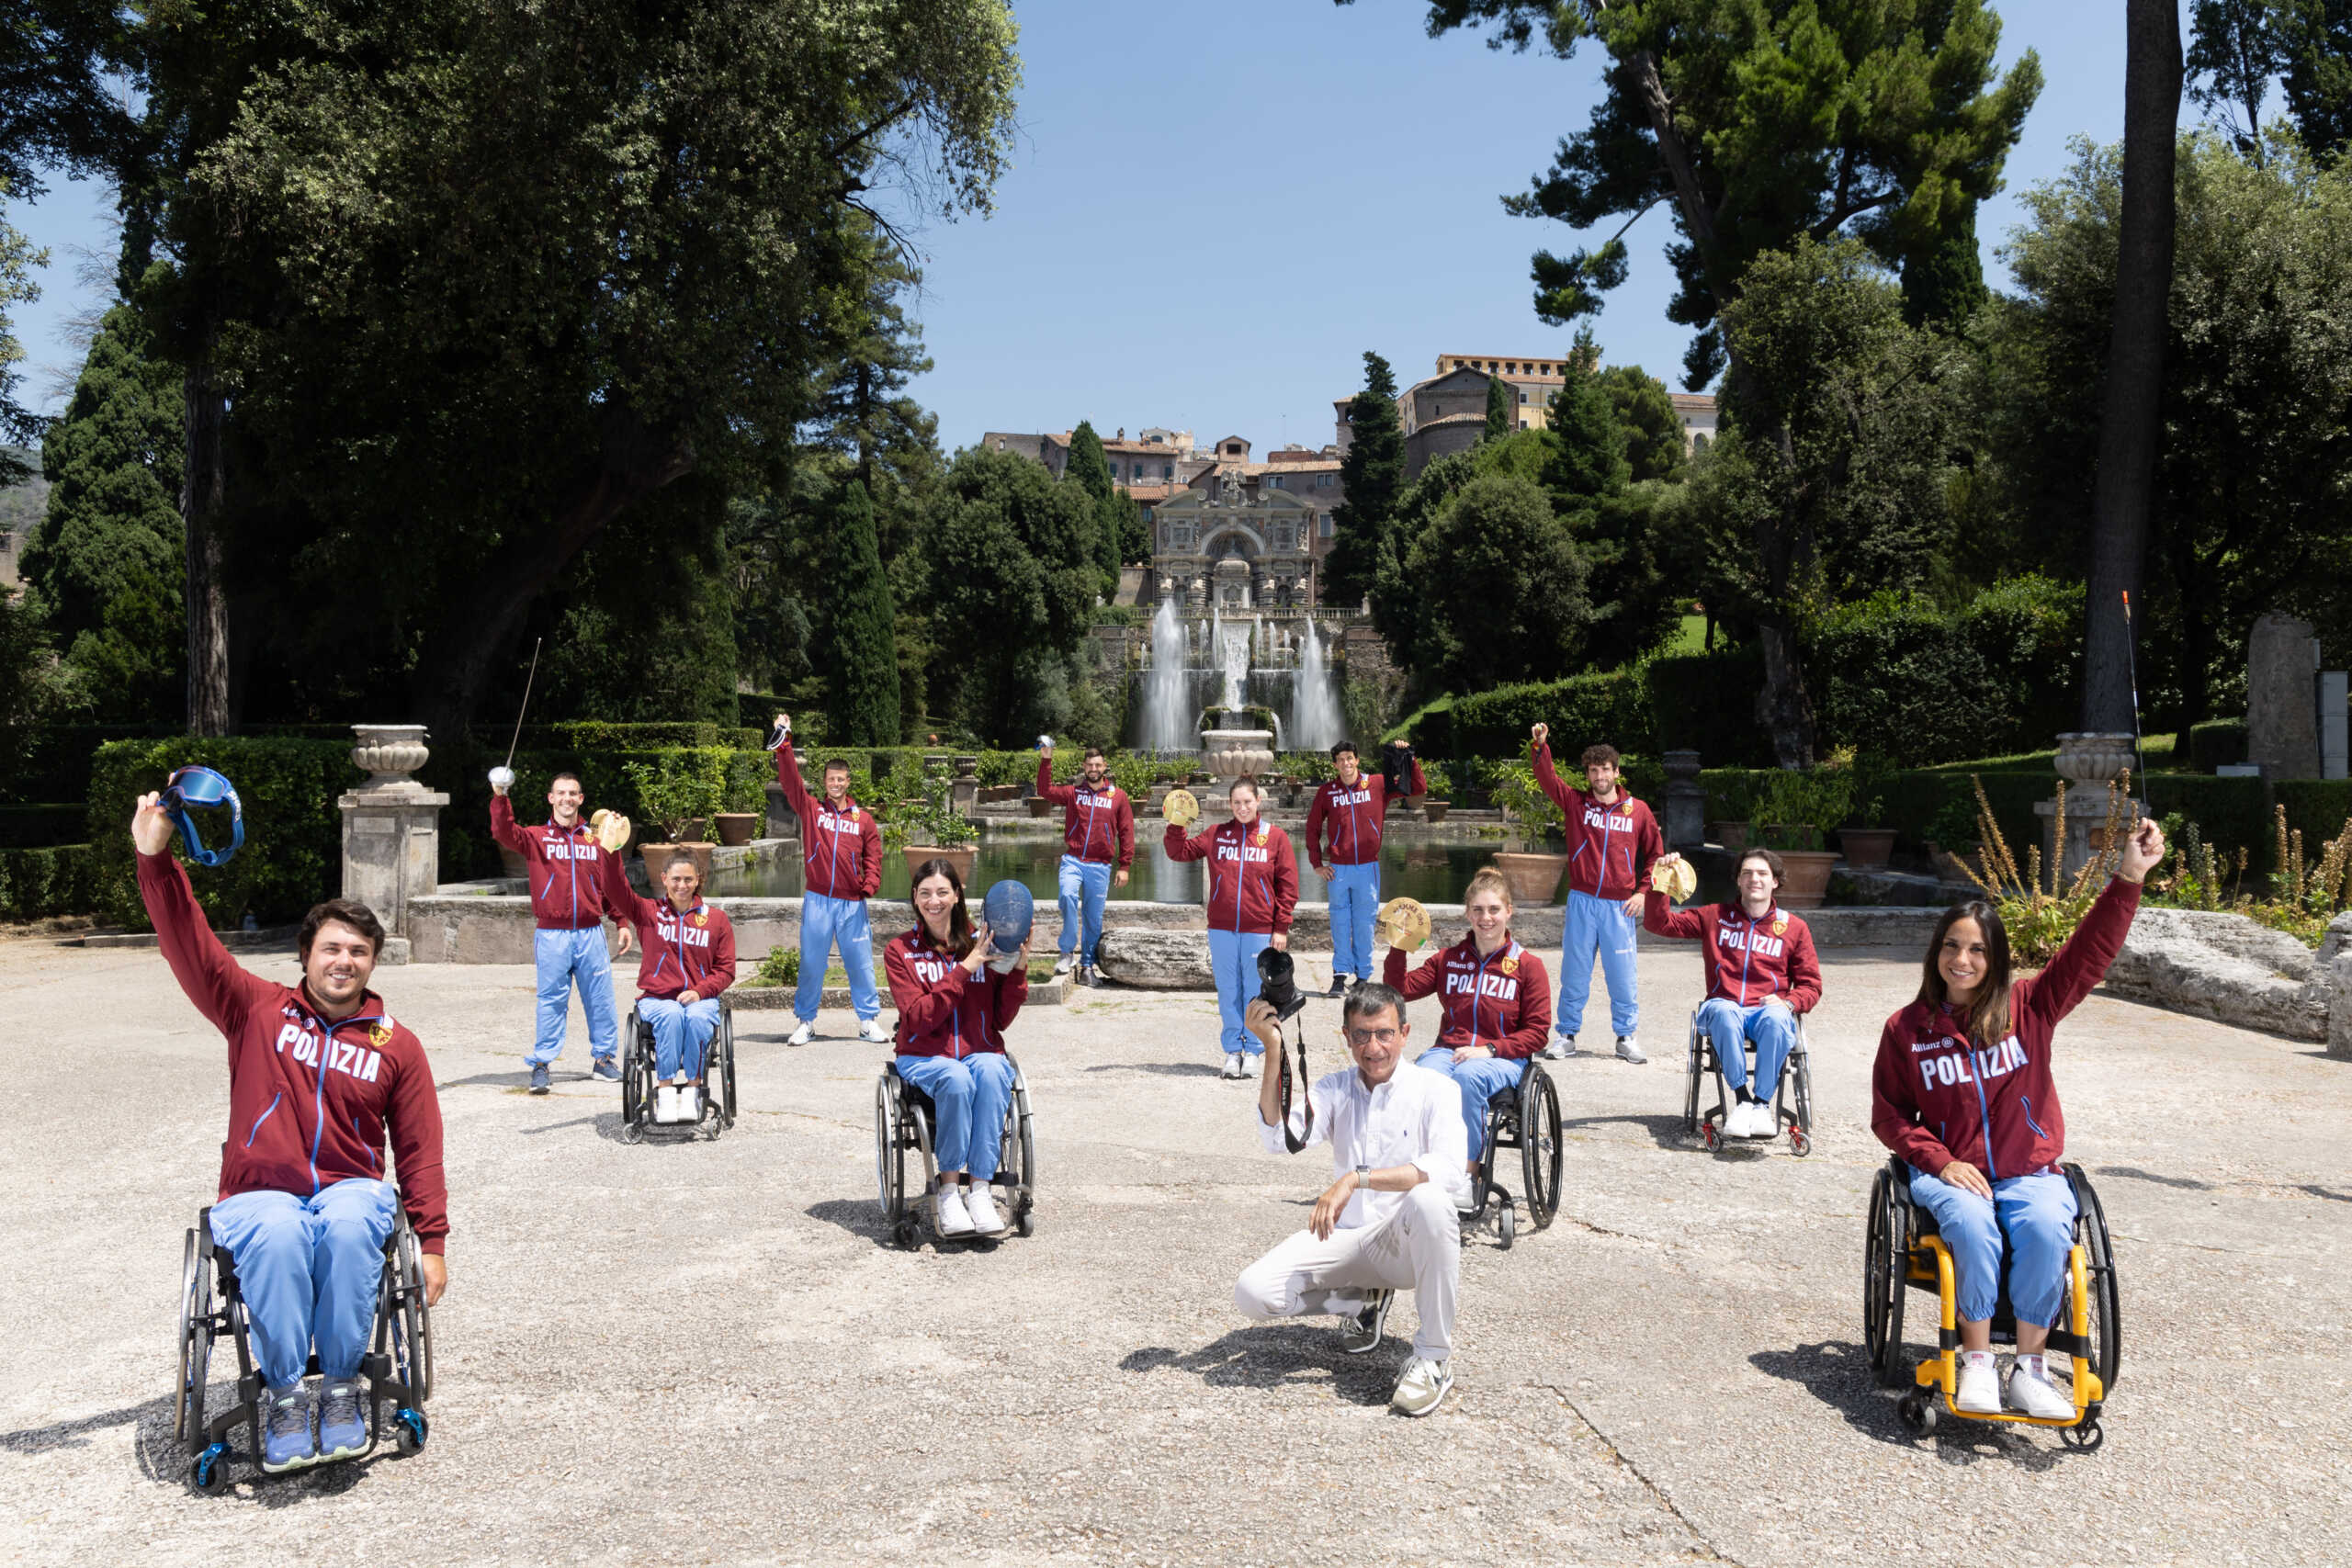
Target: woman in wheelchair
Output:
[
  {"x": 689, "y": 958},
  {"x": 1496, "y": 1002},
  {"x": 1962, "y": 1093},
  {"x": 1761, "y": 974},
  {"x": 953, "y": 1006},
  {"x": 319, "y": 1075}
]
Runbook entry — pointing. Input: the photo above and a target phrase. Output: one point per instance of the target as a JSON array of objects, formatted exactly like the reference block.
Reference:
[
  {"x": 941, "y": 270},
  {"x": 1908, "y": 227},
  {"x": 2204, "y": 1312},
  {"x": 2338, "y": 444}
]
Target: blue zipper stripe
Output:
[{"x": 264, "y": 1116}]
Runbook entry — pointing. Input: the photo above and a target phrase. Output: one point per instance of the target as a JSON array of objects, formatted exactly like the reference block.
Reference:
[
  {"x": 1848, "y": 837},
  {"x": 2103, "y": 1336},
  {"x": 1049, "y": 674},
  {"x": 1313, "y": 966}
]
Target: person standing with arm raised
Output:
[
  {"x": 1613, "y": 838},
  {"x": 562, "y": 857},
  {"x": 841, "y": 855},
  {"x": 1098, "y": 846},
  {"x": 1354, "y": 806},
  {"x": 1253, "y": 889}
]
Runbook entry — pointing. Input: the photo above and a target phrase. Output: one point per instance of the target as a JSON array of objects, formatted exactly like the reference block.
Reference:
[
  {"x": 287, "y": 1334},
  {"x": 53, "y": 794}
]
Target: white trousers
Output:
[{"x": 1417, "y": 1248}]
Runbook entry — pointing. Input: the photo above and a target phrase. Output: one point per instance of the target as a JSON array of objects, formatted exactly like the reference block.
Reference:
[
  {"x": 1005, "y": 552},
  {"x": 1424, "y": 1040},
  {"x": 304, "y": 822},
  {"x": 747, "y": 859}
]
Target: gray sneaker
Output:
[
  {"x": 605, "y": 1068},
  {"x": 1362, "y": 1332},
  {"x": 1423, "y": 1387},
  {"x": 286, "y": 1440},
  {"x": 538, "y": 1078},
  {"x": 1629, "y": 1051},
  {"x": 1559, "y": 1048},
  {"x": 342, "y": 1433}
]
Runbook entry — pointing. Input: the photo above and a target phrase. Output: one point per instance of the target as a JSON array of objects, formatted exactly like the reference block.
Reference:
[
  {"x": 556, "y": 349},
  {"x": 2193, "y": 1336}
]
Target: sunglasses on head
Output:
[{"x": 194, "y": 787}]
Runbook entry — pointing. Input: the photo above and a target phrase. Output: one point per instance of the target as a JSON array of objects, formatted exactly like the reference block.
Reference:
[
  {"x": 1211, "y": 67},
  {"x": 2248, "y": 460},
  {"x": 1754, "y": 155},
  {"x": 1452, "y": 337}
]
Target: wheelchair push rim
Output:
[{"x": 1886, "y": 1263}]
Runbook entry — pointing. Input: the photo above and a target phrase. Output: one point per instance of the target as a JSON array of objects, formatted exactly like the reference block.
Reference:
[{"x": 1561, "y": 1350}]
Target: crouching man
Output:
[{"x": 1388, "y": 1222}]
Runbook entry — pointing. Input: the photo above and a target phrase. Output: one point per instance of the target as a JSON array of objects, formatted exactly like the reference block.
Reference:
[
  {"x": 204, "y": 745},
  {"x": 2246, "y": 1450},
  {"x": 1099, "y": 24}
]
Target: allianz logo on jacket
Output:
[
  {"x": 1491, "y": 984},
  {"x": 342, "y": 1056},
  {"x": 1950, "y": 1064},
  {"x": 1742, "y": 941}
]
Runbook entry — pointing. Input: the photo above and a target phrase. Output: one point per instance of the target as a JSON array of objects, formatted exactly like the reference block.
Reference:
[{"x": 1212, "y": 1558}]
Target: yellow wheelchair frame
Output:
[{"x": 2090, "y": 1338}]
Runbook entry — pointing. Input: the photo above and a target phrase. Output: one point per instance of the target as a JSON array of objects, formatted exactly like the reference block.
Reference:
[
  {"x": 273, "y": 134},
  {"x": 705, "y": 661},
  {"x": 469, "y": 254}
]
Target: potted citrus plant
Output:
[
  {"x": 1534, "y": 875},
  {"x": 1795, "y": 813},
  {"x": 1865, "y": 838},
  {"x": 678, "y": 794},
  {"x": 746, "y": 799}
]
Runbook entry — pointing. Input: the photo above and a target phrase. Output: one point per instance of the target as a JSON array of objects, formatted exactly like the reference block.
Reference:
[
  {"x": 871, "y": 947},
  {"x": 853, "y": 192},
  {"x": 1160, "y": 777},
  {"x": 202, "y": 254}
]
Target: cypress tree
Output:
[
  {"x": 1092, "y": 470},
  {"x": 1502, "y": 408},
  {"x": 1373, "y": 476},
  {"x": 861, "y": 658}
]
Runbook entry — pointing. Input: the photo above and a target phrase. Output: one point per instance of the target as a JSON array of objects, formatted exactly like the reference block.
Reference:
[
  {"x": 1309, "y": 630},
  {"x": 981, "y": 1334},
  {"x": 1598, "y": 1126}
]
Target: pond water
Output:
[{"x": 1432, "y": 872}]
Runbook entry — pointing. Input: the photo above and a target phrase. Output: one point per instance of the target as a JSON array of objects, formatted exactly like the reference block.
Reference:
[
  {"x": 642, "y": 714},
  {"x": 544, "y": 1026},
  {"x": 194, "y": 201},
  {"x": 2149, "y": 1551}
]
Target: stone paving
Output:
[{"x": 708, "y": 1353}]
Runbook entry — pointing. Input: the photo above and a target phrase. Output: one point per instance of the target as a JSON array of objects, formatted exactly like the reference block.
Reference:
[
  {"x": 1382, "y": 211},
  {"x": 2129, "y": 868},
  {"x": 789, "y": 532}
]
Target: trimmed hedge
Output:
[
  {"x": 50, "y": 823},
  {"x": 2217, "y": 743},
  {"x": 293, "y": 853},
  {"x": 59, "y": 879}
]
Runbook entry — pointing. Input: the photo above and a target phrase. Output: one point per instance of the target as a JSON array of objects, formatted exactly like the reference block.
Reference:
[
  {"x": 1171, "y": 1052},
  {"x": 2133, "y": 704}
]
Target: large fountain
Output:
[{"x": 1231, "y": 672}]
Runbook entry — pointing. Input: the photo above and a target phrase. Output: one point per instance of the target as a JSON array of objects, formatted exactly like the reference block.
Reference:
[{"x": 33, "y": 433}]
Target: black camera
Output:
[{"x": 1277, "y": 986}]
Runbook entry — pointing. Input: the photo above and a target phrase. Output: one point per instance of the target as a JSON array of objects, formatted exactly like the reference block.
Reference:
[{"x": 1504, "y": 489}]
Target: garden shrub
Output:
[
  {"x": 55, "y": 879},
  {"x": 2217, "y": 743}
]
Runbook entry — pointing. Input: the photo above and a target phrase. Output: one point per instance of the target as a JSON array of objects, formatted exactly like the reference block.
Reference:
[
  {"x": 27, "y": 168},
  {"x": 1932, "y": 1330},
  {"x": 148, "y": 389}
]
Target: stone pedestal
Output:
[
  {"x": 963, "y": 790},
  {"x": 781, "y": 822},
  {"x": 2090, "y": 760},
  {"x": 391, "y": 828},
  {"x": 1686, "y": 802},
  {"x": 2281, "y": 711}
]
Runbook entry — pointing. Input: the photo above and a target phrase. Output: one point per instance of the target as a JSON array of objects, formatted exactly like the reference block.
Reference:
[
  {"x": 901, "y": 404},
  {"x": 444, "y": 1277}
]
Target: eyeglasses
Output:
[{"x": 1374, "y": 1036}]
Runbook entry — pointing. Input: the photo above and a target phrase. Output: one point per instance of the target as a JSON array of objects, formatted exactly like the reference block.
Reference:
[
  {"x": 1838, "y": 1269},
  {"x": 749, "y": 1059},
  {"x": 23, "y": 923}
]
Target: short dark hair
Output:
[
  {"x": 1772, "y": 863},
  {"x": 1092, "y": 751},
  {"x": 1346, "y": 748},
  {"x": 831, "y": 762},
  {"x": 563, "y": 774},
  {"x": 344, "y": 912},
  {"x": 1369, "y": 998},
  {"x": 1594, "y": 756},
  {"x": 686, "y": 859}
]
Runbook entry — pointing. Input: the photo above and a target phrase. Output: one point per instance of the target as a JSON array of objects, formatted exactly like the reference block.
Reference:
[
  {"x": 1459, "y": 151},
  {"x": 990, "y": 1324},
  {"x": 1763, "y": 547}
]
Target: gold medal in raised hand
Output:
[
  {"x": 1677, "y": 881},
  {"x": 1402, "y": 923},
  {"x": 1180, "y": 808},
  {"x": 612, "y": 831}
]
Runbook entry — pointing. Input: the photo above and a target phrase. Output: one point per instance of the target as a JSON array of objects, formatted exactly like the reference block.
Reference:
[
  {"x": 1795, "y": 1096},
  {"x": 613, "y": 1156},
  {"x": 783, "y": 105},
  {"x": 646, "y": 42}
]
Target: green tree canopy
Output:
[
  {"x": 1502, "y": 408},
  {"x": 860, "y": 657},
  {"x": 1371, "y": 476},
  {"x": 1504, "y": 585},
  {"x": 1091, "y": 471},
  {"x": 1653, "y": 431}
]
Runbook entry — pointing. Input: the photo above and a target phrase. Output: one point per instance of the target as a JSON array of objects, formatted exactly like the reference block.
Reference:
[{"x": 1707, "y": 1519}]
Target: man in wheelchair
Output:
[
  {"x": 689, "y": 959},
  {"x": 1762, "y": 975},
  {"x": 319, "y": 1074},
  {"x": 1962, "y": 1093}
]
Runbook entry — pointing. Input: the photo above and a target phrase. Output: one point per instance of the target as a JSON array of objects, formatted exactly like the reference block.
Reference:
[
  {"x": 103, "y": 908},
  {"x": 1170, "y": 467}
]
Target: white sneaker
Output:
[
  {"x": 1754, "y": 1119},
  {"x": 1979, "y": 1384},
  {"x": 1423, "y": 1385},
  {"x": 1233, "y": 1066},
  {"x": 665, "y": 1106},
  {"x": 1063, "y": 965},
  {"x": 2032, "y": 1390},
  {"x": 1630, "y": 1050},
  {"x": 873, "y": 1033},
  {"x": 949, "y": 1215},
  {"x": 979, "y": 1205},
  {"x": 802, "y": 1035},
  {"x": 1559, "y": 1048},
  {"x": 689, "y": 1107}
]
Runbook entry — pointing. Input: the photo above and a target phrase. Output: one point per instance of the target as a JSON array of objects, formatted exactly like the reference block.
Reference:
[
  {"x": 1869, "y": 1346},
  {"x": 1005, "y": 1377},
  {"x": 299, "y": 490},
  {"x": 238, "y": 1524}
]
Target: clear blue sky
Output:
[{"x": 1216, "y": 206}]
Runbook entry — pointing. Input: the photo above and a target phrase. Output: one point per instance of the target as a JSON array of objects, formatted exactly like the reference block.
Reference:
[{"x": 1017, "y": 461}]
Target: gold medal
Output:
[
  {"x": 612, "y": 831},
  {"x": 1402, "y": 923},
  {"x": 1677, "y": 881},
  {"x": 1180, "y": 808}
]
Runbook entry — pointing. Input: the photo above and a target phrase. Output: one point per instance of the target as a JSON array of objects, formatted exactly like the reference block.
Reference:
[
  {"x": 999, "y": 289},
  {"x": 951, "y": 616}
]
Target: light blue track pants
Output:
[
  {"x": 1233, "y": 960},
  {"x": 823, "y": 923},
  {"x": 1590, "y": 924},
  {"x": 1478, "y": 1080},
  {"x": 681, "y": 1030},
  {"x": 1085, "y": 887},
  {"x": 1770, "y": 1024},
  {"x": 308, "y": 1267},
  {"x": 970, "y": 1094},
  {"x": 1355, "y": 899},
  {"x": 2037, "y": 1214},
  {"x": 564, "y": 956}
]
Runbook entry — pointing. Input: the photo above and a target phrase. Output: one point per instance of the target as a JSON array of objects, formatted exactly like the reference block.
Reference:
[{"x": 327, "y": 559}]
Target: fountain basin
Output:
[{"x": 1234, "y": 753}]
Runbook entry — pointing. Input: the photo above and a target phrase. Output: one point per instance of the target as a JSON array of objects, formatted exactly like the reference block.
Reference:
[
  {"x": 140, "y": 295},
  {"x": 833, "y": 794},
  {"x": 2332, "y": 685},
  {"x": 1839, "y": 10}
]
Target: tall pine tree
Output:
[
  {"x": 860, "y": 656},
  {"x": 1373, "y": 476},
  {"x": 1502, "y": 408},
  {"x": 1092, "y": 470}
]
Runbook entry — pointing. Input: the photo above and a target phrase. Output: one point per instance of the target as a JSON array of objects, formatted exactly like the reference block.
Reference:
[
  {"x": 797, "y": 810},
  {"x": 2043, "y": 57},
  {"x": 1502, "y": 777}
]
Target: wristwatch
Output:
[{"x": 1363, "y": 1179}]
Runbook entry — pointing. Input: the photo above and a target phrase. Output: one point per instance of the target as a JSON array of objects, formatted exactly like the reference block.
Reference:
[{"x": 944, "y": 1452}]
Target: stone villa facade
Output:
[{"x": 1446, "y": 412}]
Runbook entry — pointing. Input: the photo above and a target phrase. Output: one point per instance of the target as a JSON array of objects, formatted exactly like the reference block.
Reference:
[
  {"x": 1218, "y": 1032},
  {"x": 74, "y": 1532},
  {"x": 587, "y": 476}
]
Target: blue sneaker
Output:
[
  {"x": 606, "y": 1069},
  {"x": 538, "y": 1078},
  {"x": 286, "y": 1441},
  {"x": 342, "y": 1433}
]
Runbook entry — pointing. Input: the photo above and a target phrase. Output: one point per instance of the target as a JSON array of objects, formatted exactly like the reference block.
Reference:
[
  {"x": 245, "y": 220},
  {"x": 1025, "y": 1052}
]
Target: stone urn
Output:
[
  {"x": 390, "y": 753},
  {"x": 1533, "y": 878},
  {"x": 2093, "y": 757},
  {"x": 1435, "y": 810},
  {"x": 1230, "y": 754}
]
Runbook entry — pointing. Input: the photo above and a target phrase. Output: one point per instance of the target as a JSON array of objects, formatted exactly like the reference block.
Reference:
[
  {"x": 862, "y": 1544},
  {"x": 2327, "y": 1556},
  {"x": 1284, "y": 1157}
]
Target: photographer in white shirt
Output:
[{"x": 1388, "y": 1222}]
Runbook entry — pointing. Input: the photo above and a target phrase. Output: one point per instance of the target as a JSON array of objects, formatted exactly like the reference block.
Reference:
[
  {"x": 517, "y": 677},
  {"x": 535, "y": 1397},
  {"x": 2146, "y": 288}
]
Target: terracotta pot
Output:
[
  {"x": 1436, "y": 809},
  {"x": 658, "y": 855},
  {"x": 1866, "y": 847},
  {"x": 1040, "y": 807},
  {"x": 696, "y": 832},
  {"x": 1533, "y": 878},
  {"x": 1807, "y": 879},
  {"x": 1730, "y": 835},
  {"x": 962, "y": 858},
  {"x": 736, "y": 828}
]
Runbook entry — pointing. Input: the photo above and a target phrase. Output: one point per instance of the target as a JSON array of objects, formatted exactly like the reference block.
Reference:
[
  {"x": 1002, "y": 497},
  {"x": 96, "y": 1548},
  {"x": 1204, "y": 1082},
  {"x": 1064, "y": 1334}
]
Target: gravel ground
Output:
[{"x": 709, "y": 1353}]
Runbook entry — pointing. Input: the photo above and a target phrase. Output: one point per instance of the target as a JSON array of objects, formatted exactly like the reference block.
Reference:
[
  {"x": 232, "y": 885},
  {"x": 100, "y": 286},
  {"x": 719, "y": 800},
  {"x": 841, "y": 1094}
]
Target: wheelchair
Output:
[
  {"x": 717, "y": 1083},
  {"x": 1902, "y": 1251},
  {"x": 398, "y": 1368},
  {"x": 903, "y": 1119},
  {"x": 1526, "y": 1117},
  {"x": 1792, "y": 1098}
]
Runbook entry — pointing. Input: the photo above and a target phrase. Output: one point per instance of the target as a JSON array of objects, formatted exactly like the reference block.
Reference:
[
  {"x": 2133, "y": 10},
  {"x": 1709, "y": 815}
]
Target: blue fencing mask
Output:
[
  {"x": 194, "y": 787},
  {"x": 1009, "y": 911}
]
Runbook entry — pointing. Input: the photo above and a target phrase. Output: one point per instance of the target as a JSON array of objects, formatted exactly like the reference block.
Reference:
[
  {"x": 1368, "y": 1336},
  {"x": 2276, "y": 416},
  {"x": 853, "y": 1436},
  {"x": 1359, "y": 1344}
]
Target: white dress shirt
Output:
[{"x": 1413, "y": 1119}]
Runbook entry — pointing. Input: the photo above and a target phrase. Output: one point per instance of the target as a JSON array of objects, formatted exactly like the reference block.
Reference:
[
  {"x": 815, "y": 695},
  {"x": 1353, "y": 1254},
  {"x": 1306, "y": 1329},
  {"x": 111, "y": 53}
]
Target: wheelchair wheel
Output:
[
  {"x": 1023, "y": 1145},
  {"x": 1886, "y": 1259},
  {"x": 726, "y": 1074},
  {"x": 2106, "y": 1305},
  {"x": 1540, "y": 1146},
  {"x": 1506, "y": 1226},
  {"x": 637, "y": 1079},
  {"x": 1799, "y": 1078},
  {"x": 411, "y": 1319},
  {"x": 1693, "y": 1068},
  {"x": 194, "y": 1344},
  {"x": 891, "y": 1156}
]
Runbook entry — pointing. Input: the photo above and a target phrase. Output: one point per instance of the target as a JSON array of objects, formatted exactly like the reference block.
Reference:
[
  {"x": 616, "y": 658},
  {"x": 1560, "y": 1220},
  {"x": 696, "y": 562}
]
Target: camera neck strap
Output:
[{"x": 1284, "y": 1085}]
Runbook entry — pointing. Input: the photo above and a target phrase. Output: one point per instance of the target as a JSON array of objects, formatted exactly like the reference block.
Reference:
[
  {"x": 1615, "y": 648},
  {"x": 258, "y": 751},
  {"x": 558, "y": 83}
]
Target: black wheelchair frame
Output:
[
  {"x": 903, "y": 1119},
  {"x": 1791, "y": 1096},
  {"x": 398, "y": 1366},
  {"x": 1533, "y": 1103},
  {"x": 637, "y": 1082},
  {"x": 1902, "y": 1251}
]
